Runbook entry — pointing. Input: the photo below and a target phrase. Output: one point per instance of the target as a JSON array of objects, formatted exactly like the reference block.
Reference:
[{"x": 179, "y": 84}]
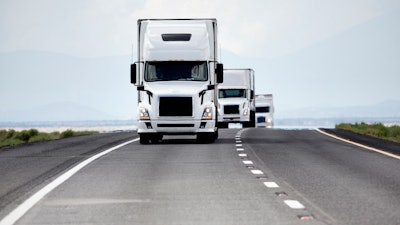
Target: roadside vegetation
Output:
[
  {"x": 13, "y": 138},
  {"x": 391, "y": 133}
]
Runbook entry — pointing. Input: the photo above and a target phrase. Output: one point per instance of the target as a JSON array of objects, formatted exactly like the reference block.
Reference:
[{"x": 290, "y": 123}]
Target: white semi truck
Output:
[
  {"x": 265, "y": 111},
  {"x": 176, "y": 75},
  {"x": 236, "y": 98}
]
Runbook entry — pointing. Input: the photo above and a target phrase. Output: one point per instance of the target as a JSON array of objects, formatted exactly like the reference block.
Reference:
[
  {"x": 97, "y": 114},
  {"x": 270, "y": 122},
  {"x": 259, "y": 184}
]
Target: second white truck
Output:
[{"x": 236, "y": 98}]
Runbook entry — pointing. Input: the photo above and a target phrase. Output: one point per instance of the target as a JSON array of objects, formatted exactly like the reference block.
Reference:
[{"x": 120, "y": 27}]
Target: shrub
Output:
[
  {"x": 23, "y": 135},
  {"x": 377, "y": 130},
  {"x": 67, "y": 133},
  {"x": 10, "y": 133},
  {"x": 10, "y": 142},
  {"x": 3, "y": 134},
  {"x": 13, "y": 138},
  {"x": 41, "y": 137}
]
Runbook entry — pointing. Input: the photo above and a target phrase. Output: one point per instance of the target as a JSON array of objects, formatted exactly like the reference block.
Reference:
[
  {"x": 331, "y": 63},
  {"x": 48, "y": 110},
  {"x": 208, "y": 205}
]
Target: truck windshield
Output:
[
  {"x": 232, "y": 93},
  {"x": 173, "y": 71}
]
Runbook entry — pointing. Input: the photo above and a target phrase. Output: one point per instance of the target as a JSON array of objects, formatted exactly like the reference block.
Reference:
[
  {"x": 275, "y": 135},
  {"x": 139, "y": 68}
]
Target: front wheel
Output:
[
  {"x": 144, "y": 139},
  {"x": 206, "y": 138}
]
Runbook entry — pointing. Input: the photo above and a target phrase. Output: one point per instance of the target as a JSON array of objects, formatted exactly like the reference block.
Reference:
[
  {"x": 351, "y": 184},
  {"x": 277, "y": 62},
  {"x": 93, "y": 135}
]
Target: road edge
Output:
[{"x": 360, "y": 145}]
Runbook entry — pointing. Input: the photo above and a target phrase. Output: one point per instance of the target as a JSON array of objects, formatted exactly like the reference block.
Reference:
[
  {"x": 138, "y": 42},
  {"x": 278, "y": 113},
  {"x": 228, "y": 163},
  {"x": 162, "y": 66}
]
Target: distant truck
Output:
[
  {"x": 236, "y": 98},
  {"x": 265, "y": 111},
  {"x": 176, "y": 75}
]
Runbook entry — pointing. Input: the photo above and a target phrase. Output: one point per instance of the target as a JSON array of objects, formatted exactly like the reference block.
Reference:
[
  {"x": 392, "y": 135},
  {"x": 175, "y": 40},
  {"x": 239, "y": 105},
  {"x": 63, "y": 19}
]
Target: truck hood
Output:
[{"x": 176, "y": 88}]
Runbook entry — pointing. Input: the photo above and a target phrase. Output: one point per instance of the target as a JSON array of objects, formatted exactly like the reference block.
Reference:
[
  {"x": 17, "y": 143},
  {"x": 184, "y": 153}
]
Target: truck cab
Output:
[
  {"x": 176, "y": 75},
  {"x": 236, "y": 98},
  {"x": 264, "y": 111}
]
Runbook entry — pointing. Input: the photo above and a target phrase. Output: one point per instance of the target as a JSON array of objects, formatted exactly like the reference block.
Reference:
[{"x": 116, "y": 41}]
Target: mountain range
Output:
[{"x": 354, "y": 73}]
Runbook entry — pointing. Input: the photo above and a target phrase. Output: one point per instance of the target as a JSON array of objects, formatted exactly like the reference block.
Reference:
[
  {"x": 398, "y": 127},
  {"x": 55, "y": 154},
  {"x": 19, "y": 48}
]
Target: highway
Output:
[{"x": 248, "y": 176}]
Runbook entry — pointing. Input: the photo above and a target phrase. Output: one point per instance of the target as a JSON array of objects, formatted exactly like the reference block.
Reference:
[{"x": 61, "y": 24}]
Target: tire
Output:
[
  {"x": 206, "y": 138},
  {"x": 253, "y": 119},
  {"x": 223, "y": 125},
  {"x": 144, "y": 139}
]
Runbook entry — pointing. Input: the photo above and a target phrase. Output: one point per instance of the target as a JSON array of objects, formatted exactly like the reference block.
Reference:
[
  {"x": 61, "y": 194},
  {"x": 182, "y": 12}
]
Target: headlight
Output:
[
  {"x": 207, "y": 114},
  {"x": 269, "y": 120},
  {"x": 245, "y": 112},
  {"x": 144, "y": 114}
]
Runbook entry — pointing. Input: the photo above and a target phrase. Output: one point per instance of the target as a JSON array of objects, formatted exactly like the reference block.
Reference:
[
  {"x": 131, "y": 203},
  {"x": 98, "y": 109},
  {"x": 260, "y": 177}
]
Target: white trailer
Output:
[
  {"x": 265, "y": 111},
  {"x": 176, "y": 77},
  {"x": 236, "y": 98}
]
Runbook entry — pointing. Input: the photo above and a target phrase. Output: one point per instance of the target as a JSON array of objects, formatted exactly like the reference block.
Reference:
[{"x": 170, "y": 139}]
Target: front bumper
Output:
[
  {"x": 176, "y": 127},
  {"x": 233, "y": 118}
]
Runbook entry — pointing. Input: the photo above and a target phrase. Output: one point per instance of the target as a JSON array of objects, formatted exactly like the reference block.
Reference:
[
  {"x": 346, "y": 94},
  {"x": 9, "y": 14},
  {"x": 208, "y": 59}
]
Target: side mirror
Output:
[
  {"x": 220, "y": 73},
  {"x": 133, "y": 73}
]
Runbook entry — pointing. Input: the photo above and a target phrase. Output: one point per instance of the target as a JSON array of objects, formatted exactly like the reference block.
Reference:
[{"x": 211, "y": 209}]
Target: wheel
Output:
[
  {"x": 144, "y": 139},
  {"x": 206, "y": 138},
  {"x": 216, "y": 135},
  {"x": 223, "y": 125},
  {"x": 252, "y": 119}
]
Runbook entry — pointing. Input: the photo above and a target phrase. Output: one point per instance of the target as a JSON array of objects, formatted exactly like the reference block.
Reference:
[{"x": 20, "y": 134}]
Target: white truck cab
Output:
[
  {"x": 176, "y": 75},
  {"x": 265, "y": 111},
  {"x": 236, "y": 98}
]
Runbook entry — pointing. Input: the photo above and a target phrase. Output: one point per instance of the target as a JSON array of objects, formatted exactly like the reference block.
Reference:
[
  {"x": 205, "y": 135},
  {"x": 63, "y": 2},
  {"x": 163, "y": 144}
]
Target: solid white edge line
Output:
[
  {"x": 360, "y": 145},
  {"x": 23, "y": 208},
  {"x": 294, "y": 204}
]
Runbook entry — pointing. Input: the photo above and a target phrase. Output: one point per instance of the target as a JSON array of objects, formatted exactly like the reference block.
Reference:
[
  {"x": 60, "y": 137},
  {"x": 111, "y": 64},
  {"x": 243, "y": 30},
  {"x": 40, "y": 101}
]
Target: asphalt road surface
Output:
[{"x": 250, "y": 176}]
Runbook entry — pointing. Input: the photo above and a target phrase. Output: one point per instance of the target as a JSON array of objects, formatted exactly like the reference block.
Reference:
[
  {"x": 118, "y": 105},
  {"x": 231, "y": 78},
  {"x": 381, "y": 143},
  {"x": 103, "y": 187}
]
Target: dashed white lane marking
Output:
[
  {"x": 257, "y": 172},
  {"x": 294, "y": 204},
  {"x": 271, "y": 184},
  {"x": 248, "y": 162},
  {"x": 360, "y": 145},
  {"x": 20, "y": 211}
]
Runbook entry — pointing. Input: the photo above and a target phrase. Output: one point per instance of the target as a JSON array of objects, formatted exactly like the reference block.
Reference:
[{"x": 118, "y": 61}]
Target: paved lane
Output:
[
  {"x": 348, "y": 184},
  {"x": 26, "y": 169},
  {"x": 177, "y": 182},
  {"x": 260, "y": 177}
]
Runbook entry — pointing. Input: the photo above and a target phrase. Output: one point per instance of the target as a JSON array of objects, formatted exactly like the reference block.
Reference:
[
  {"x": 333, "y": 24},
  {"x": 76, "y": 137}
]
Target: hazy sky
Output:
[
  {"x": 298, "y": 48},
  {"x": 256, "y": 28}
]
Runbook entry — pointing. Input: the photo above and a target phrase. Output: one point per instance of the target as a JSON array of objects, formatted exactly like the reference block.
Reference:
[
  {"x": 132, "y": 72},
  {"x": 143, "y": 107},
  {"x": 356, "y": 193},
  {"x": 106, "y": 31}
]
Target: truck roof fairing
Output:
[
  {"x": 233, "y": 77},
  {"x": 177, "y": 39}
]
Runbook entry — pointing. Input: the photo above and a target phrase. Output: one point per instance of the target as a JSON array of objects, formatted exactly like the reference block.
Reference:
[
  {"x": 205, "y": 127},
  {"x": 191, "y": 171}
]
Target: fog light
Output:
[{"x": 148, "y": 125}]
